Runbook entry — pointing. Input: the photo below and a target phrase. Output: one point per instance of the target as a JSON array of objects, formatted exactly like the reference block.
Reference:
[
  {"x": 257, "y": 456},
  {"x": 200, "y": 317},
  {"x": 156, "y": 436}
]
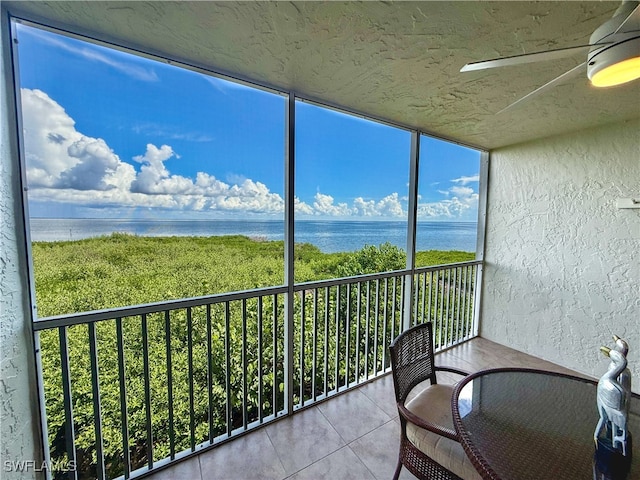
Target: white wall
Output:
[
  {"x": 562, "y": 262},
  {"x": 19, "y": 427}
]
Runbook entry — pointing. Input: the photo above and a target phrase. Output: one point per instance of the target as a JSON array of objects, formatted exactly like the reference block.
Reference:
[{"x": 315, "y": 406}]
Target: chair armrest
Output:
[
  {"x": 452, "y": 370},
  {"x": 422, "y": 423}
]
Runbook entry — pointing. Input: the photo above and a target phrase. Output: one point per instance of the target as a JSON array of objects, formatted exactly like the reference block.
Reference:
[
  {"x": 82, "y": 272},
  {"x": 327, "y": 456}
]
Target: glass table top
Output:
[{"x": 524, "y": 424}]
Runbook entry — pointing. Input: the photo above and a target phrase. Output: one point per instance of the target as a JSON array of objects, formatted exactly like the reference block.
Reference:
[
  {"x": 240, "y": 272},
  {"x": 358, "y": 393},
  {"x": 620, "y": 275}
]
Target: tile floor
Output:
[{"x": 352, "y": 436}]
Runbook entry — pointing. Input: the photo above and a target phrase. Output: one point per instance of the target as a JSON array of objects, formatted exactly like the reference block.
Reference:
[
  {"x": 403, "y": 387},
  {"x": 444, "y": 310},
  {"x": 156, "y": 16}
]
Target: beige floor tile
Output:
[
  {"x": 185, "y": 470},
  {"x": 250, "y": 457},
  {"x": 340, "y": 465},
  {"x": 303, "y": 438},
  {"x": 381, "y": 392},
  {"x": 353, "y": 415}
]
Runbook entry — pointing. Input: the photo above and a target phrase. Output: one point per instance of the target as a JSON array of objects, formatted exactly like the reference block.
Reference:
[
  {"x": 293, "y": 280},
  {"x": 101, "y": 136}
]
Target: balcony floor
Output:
[{"x": 352, "y": 436}]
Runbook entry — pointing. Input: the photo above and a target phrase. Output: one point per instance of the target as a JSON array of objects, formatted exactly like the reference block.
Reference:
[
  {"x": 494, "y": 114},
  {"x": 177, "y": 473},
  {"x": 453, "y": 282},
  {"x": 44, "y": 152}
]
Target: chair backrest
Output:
[{"x": 412, "y": 359}]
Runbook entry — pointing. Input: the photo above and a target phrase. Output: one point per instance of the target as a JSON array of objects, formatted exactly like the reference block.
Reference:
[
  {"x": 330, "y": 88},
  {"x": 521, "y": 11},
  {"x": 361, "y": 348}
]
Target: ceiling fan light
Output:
[
  {"x": 618, "y": 73},
  {"x": 615, "y": 65}
]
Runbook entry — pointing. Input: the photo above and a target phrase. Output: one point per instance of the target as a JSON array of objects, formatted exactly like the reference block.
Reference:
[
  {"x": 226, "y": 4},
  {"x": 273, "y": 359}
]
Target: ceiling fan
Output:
[{"x": 613, "y": 56}]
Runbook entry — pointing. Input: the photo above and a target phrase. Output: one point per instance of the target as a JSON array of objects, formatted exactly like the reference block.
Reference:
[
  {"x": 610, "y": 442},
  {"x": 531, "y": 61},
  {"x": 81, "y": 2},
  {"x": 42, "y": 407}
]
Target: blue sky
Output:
[{"x": 110, "y": 134}]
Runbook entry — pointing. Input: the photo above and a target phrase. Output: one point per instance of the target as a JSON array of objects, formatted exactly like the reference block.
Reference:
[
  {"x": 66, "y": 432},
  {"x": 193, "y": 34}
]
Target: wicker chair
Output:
[{"x": 429, "y": 446}]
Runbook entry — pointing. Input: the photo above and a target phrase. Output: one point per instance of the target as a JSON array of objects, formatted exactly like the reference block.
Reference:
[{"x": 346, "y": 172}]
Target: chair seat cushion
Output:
[{"x": 433, "y": 403}]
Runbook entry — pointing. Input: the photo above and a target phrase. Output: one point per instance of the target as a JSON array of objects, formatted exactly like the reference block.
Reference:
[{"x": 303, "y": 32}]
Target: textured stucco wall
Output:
[
  {"x": 19, "y": 431},
  {"x": 563, "y": 263}
]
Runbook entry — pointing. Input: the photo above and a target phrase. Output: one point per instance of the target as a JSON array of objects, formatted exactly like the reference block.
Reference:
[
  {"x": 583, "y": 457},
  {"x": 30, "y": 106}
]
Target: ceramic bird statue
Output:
[
  {"x": 625, "y": 377},
  {"x": 613, "y": 400}
]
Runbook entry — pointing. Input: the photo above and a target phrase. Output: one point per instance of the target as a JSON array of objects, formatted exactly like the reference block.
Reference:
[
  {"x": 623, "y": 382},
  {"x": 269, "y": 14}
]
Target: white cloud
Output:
[
  {"x": 465, "y": 180},
  {"x": 303, "y": 208},
  {"x": 154, "y": 178},
  {"x": 463, "y": 192},
  {"x": 323, "y": 205},
  {"x": 170, "y": 132},
  {"x": 58, "y": 156},
  {"x": 389, "y": 206},
  {"x": 463, "y": 203}
]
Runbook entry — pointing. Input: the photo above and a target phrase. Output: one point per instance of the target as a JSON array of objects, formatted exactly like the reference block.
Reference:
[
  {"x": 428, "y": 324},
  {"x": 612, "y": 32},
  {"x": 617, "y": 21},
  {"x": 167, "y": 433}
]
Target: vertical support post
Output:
[
  {"x": 16, "y": 247},
  {"x": 411, "y": 227},
  {"x": 482, "y": 225},
  {"x": 289, "y": 243}
]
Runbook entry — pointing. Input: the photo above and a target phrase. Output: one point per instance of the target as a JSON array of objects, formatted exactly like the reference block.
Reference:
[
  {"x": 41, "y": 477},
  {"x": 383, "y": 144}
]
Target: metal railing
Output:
[{"x": 129, "y": 390}]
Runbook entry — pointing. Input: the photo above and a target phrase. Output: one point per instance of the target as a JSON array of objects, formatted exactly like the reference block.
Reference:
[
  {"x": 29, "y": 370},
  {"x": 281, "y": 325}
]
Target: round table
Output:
[{"x": 520, "y": 424}]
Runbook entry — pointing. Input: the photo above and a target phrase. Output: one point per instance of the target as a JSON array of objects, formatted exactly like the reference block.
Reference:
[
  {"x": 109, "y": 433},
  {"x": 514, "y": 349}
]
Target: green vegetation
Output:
[{"x": 121, "y": 270}]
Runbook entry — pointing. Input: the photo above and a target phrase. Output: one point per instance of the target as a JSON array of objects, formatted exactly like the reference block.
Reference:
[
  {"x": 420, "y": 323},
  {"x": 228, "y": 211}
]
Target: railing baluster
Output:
[
  {"x": 469, "y": 307},
  {"x": 358, "y": 319},
  {"x": 463, "y": 296},
  {"x": 209, "y": 375},
  {"x": 315, "y": 344},
  {"x": 448, "y": 317},
  {"x": 451, "y": 303},
  {"x": 377, "y": 320},
  {"x": 327, "y": 298},
  {"x": 302, "y": 346},
  {"x": 147, "y": 390},
  {"x": 69, "y": 430},
  {"x": 227, "y": 373},
  {"x": 337, "y": 369},
  {"x": 459, "y": 331},
  {"x": 347, "y": 342},
  {"x": 244, "y": 365},
  {"x": 430, "y": 293},
  {"x": 274, "y": 386},
  {"x": 95, "y": 391},
  {"x": 384, "y": 324},
  {"x": 416, "y": 295},
  {"x": 393, "y": 309},
  {"x": 447, "y": 292},
  {"x": 472, "y": 296},
  {"x": 423, "y": 283},
  {"x": 366, "y": 332},
  {"x": 192, "y": 415},
  {"x": 172, "y": 431},
  {"x": 123, "y": 400},
  {"x": 441, "y": 286},
  {"x": 436, "y": 292},
  {"x": 260, "y": 332}
]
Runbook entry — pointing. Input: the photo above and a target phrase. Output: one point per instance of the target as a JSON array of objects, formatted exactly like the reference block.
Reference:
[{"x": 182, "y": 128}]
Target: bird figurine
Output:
[
  {"x": 613, "y": 399},
  {"x": 625, "y": 377}
]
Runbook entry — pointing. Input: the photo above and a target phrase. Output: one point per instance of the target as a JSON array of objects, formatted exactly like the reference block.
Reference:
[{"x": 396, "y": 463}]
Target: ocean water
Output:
[{"x": 328, "y": 236}]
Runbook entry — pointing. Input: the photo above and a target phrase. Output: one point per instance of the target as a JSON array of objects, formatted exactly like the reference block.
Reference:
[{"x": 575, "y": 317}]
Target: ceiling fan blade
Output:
[
  {"x": 526, "y": 58},
  {"x": 545, "y": 87}
]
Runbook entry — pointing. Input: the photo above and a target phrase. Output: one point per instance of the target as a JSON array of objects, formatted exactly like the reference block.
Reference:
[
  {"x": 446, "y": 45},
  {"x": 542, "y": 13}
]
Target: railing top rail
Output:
[
  {"x": 433, "y": 268},
  {"x": 378, "y": 276},
  {"x": 345, "y": 280},
  {"x": 121, "y": 312}
]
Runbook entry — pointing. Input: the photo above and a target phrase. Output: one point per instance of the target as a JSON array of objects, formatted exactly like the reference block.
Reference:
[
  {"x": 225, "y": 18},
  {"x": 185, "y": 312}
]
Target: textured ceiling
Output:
[{"x": 397, "y": 61}]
